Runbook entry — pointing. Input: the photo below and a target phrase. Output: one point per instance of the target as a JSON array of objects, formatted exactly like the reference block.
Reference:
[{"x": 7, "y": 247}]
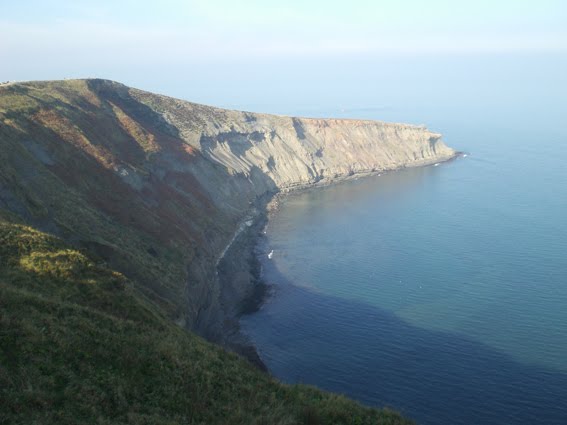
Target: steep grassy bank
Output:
[{"x": 80, "y": 345}]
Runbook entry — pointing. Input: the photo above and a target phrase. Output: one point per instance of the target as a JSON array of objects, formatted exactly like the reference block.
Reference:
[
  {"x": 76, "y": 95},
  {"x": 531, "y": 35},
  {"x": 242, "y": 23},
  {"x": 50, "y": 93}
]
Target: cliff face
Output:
[
  {"x": 157, "y": 187},
  {"x": 297, "y": 151}
]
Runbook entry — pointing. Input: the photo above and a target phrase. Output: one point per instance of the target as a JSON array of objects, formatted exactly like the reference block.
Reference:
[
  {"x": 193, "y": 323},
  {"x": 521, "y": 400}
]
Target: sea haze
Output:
[{"x": 441, "y": 291}]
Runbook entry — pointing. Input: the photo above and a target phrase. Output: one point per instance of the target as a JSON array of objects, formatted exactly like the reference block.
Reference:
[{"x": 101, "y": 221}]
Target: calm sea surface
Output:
[{"x": 441, "y": 291}]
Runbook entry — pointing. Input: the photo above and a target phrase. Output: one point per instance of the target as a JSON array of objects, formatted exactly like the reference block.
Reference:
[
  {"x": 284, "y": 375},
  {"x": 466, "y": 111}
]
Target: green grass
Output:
[{"x": 80, "y": 345}]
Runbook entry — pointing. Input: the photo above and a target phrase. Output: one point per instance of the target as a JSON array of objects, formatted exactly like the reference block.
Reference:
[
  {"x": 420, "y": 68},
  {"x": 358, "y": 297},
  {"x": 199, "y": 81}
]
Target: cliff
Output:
[{"x": 156, "y": 187}]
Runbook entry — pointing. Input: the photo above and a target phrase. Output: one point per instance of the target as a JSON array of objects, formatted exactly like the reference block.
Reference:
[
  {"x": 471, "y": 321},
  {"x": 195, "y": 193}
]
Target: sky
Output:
[{"x": 259, "y": 53}]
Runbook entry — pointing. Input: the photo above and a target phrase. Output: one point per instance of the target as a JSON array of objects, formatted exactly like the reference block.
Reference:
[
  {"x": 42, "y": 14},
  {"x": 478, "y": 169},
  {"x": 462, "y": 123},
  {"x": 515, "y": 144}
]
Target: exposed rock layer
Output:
[{"x": 158, "y": 187}]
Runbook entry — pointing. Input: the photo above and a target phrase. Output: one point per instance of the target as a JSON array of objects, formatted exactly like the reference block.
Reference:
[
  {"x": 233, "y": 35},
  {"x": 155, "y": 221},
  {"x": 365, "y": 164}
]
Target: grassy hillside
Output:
[
  {"x": 92, "y": 167},
  {"x": 79, "y": 345}
]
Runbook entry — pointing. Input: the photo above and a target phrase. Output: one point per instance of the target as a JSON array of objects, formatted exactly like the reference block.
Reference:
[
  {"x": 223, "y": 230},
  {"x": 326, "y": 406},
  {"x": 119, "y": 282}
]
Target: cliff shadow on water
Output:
[
  {"x": 368, "y": 352},
  {"x": 434, "y": 377}
]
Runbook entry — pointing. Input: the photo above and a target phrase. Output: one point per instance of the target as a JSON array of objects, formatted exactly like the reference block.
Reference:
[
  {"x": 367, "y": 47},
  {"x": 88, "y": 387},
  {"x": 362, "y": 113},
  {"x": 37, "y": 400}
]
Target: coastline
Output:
[{"x": 239, "y": 266}]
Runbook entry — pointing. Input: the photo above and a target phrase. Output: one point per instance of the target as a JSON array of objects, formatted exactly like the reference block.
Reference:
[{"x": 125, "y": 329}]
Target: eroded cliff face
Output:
[
  {"x": 157, "y": 187},
  {"x": 297, "y": 151}
]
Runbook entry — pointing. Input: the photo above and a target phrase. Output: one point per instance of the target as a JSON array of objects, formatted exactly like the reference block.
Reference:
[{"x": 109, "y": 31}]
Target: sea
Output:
[{"x": 441, "y": 291}]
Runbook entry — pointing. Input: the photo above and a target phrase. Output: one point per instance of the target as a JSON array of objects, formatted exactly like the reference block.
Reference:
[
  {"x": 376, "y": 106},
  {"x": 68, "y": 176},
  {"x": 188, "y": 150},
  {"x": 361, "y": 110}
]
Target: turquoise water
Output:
[{"x": 441, "y": 291}]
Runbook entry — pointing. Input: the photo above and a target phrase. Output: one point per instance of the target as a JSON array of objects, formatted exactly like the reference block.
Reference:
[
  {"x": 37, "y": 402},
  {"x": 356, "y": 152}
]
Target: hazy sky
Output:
[{"x": 242, "y": 52}]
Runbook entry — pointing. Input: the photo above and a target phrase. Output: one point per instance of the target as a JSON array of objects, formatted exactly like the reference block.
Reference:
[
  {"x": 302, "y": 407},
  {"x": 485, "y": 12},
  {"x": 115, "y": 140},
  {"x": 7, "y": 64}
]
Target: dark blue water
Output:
[{"x": 442, "y": 291}]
